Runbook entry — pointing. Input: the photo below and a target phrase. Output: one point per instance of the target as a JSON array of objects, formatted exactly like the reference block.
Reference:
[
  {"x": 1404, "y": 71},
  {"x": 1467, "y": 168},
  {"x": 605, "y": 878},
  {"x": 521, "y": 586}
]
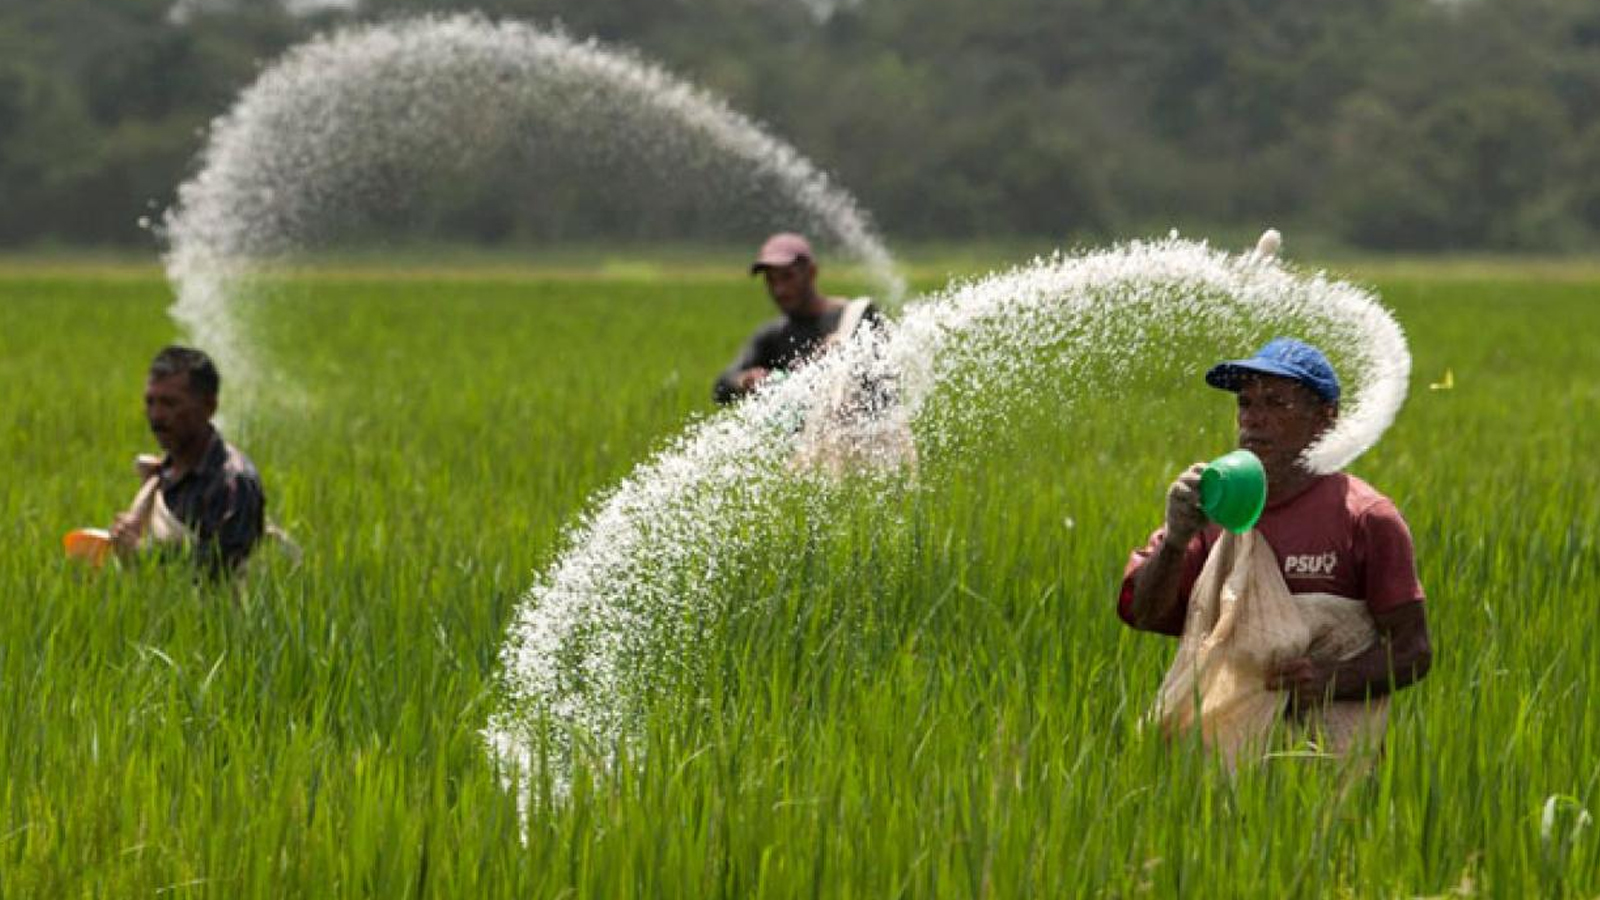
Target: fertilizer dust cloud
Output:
[
  {"x": 419, "y": 121},
  {"x": 622, "y": 614},
  {"x": 409, "y": 131}
]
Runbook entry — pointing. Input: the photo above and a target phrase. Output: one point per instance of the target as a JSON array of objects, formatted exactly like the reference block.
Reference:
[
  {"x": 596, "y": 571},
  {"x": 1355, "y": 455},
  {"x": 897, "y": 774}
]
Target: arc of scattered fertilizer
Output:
[
  {"x": 572, "y": 650},
  {"x": 289, "y": 156}
]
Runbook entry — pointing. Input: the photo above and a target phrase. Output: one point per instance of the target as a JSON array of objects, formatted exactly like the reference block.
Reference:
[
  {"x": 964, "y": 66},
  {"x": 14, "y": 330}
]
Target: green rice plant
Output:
[{"x": 928, "y": 694}]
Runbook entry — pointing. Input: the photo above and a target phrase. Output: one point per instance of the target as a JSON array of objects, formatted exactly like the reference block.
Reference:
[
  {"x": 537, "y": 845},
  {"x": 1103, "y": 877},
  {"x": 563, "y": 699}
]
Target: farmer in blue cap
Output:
[{"x": 1330, "y": 533}]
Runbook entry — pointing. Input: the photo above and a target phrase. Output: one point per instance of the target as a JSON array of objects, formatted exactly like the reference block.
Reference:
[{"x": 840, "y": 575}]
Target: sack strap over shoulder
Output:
[{"x": 849, "y": 320}]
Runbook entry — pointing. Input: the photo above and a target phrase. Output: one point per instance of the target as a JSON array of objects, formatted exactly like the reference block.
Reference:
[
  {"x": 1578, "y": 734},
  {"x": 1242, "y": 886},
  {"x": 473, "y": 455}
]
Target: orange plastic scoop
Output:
[{"x": 92, "y": 545}]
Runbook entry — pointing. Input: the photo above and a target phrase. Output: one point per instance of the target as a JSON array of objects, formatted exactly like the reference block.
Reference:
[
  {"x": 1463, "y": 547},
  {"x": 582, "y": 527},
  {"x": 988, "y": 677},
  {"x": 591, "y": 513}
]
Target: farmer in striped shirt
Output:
[{"x": 206, "y": 495}]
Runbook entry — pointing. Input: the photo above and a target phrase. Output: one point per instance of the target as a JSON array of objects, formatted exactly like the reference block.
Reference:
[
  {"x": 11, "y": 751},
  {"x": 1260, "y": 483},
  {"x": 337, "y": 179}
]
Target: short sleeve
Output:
[
  {"x": 1383, "y": 542},
  {"x": 1194, "y": 560},
  {"x": 758, "y": 350}
]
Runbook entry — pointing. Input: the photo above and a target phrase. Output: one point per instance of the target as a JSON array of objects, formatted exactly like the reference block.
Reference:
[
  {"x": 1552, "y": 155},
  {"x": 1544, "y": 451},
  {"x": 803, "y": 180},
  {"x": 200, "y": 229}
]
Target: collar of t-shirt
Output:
[
  {"x": 1314, "y": 484},
  {"x": 210, "y": 461}
]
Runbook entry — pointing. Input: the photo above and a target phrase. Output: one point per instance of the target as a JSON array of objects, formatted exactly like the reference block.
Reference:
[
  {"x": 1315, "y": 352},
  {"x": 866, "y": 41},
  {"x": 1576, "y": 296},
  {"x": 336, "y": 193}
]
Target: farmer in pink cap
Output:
[{"x": 809, "y": 324}]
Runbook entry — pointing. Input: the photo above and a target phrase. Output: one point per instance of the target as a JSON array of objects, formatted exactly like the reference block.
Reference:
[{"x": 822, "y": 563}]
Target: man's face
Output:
[
  {"x": 178, "y": 415},
  {"x": 790, "y": 286},
  {"x": 1279, "y": 418}
]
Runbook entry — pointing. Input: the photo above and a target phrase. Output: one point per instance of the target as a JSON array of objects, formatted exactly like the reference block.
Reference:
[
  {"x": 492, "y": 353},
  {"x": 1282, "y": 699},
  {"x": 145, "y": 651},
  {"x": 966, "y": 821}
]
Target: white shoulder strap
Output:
[{"x": 849, "y": 320}]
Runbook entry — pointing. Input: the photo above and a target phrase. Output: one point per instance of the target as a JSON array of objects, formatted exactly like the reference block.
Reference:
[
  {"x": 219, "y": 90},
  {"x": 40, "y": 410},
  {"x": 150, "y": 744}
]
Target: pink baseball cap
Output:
[{"x": 780, "y": 250}]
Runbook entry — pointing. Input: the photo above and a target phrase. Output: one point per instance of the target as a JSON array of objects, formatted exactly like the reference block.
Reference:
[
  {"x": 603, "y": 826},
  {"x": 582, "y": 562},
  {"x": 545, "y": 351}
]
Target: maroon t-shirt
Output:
[{"x": 1338, "y": 536}]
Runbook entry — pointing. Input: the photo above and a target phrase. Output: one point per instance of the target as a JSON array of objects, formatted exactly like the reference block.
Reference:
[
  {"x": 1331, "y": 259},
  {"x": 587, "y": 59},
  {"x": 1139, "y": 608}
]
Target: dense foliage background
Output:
[{"x": 1401, "y": 124}]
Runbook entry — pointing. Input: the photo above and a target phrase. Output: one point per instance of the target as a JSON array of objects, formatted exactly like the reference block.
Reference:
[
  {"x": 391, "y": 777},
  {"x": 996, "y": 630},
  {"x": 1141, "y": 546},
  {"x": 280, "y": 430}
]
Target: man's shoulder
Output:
[
  {"x": 1358, "y": 499},
  {"x": 236, "y": 466},
  {"x": 772, "y": 328},
  {"x": 1363, "y": 496}
]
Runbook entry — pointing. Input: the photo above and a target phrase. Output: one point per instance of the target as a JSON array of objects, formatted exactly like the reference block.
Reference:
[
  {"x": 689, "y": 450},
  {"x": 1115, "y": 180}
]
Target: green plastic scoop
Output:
[{"x": 1233, "y": 490}]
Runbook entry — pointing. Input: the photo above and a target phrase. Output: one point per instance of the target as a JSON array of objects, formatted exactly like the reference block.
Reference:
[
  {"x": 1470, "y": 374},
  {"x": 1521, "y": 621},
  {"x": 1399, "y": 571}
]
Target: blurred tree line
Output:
[{"x": 1401, "y": 124}]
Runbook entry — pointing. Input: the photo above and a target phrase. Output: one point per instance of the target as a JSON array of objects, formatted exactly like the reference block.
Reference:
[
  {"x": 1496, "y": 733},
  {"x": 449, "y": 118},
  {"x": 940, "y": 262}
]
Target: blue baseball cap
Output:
[{"x": 1285, "y": 358}]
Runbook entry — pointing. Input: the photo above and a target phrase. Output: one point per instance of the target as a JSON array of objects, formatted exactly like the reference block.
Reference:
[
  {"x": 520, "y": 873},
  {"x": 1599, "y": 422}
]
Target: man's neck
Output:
[
  {"x": 183, "y": 460},
  {"x": 815, "y": 307},
  {"x": 1288, "y": 485}
]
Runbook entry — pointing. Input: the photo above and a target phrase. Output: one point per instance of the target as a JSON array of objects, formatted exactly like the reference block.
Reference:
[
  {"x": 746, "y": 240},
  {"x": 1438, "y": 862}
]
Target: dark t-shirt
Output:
[
  {"x": 783, "y": 344},
  {"x": 221, "y": 501},
  {"x": 1339, "y": 536}
]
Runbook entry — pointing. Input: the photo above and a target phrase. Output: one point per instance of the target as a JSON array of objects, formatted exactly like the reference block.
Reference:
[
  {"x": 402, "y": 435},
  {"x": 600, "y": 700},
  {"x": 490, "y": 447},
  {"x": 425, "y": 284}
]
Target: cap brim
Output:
[
  {"x": 769, "y": 263},
  {"x": 1226, "y": 376}
]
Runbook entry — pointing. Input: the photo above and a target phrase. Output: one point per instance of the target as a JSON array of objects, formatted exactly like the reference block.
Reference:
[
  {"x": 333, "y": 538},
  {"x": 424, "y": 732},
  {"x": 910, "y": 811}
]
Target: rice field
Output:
[{"x": 929, "y": 696}]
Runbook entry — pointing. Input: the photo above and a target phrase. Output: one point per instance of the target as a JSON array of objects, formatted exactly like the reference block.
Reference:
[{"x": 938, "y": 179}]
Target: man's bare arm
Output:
[
  {"x": 1155, "y": 586},
  {"x": 1401, "y": 656}
]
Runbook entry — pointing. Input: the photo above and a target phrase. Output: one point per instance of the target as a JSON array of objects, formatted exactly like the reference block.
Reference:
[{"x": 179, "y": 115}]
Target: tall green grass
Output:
[{"x": 928, "y": 696}]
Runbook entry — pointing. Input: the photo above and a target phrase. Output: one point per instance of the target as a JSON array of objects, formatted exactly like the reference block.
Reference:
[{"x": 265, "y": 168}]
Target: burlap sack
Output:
[
  {"x": 159, "y": 526},
  {"x": 165, "y": 528},
  {"x": 154, "y": 523},
  {"x": 851, "y": 429},
  {"x": 1242, "y": 622}
]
